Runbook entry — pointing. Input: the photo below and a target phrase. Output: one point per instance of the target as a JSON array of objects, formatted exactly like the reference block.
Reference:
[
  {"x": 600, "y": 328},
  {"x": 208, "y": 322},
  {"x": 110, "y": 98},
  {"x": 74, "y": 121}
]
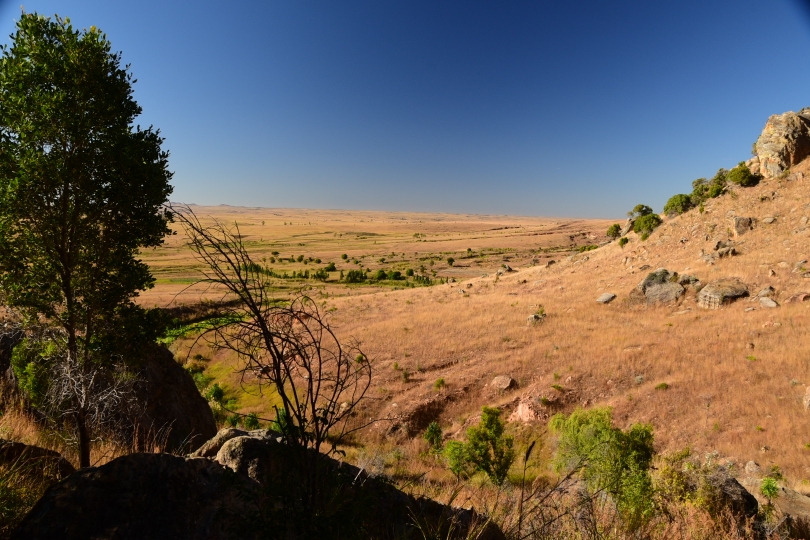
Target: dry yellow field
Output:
[{"x": 735, "y": 377}]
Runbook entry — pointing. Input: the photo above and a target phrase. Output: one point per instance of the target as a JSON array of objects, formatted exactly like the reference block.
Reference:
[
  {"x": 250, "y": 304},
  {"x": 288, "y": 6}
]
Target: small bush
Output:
[
  {"x": 215, "y": 393},
  {"x": 623, "y": 241},
  {"x": 450, "y": 261},
  {"x": 344, "y": 257},
  {"x": 394, "y": 275},
  {"x": 677, "y": 204},
  {"x": 742, "y": 176},
  {"x": 614, "y": 231},
  {"x": 331, "y": 267},
  {"x": 381, "y": 275},
  {"x": 646, "y": 224},
  {"x": 439, "y": 383},
  {"x": 662, "y": 386},
  {"x": 355, "y": 276},
  {"x": 252, "y": 421},
  {"x": 409, "y": 272},
  {"x": 300, "y": 258},
  {"x": 433, "y": 436}
]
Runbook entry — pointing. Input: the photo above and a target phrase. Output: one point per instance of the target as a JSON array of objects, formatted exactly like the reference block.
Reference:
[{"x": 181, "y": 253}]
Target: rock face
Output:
[
  {"x": 720, "y": 292},
  {"x": 733, "y": 495},
  {"x": 784, "y": 142},
  {"x": 253, "y": 489},
  {"x": 660, "y": 286},
  {"x": 172, "y": 406},
  {"x": 44, "y": 462}
]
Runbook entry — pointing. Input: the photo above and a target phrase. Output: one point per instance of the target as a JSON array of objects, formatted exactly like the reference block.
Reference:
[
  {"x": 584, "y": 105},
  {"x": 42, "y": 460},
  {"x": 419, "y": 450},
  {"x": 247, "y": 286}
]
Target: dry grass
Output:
[{"x": 721, "y": 395}]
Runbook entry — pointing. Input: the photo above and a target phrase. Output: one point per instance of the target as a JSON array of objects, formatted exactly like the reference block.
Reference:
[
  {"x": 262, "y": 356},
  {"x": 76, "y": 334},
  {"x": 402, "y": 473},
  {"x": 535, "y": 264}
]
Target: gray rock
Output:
[
  {"x": 768, "y": 302},
  {"x": 628, "y": 226},
  {"x": 752, "y": 467},
  {"x": 768, "y": 220},
  {"x": 660, "y": 286},
  {"x": 720, "y": 292},
  {"x": 784, "y": 142},
  {"x": 806, "y": 399},
  {"x": 502, "y": 382},
  {"x": 741, "y": 225},
  {"x": 212, "y": 446},
  {"x": 767, "y": 291},
  {"x": 606, "y": 298},
  {"x": 535, "y": 318}
]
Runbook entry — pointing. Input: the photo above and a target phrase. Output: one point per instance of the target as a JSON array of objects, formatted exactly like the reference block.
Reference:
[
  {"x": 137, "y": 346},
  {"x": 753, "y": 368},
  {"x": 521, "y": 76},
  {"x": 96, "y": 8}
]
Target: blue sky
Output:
[{"x": 578, "y": 108}]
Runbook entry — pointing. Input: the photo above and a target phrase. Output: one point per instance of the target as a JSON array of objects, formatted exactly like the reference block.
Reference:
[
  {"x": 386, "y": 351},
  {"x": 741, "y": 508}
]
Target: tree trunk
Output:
[{"x": 84, "y": 441}]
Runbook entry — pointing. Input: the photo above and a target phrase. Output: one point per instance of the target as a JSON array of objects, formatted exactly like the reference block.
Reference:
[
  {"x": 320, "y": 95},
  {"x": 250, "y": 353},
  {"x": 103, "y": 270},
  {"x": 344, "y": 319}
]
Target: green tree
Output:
[
  {"x": 81, "y": 191},
  {"x": 677, "y": 204},
  {"x": 608, "y": 459},
  {"x": 489, "y": 447},
  {"x": 640, "y": 210},
  {"x": 614, "y": 231},
  {"x": 433, "y": 436},
  {"x": 450, "y": 261}
]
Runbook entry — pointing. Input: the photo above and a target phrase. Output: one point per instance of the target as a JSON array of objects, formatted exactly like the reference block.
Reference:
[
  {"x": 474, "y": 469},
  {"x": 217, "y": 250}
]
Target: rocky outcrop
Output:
[
  {"x": 741, "y": 225},
  {"x": 720, "y": 292},
  {"x": 42, "y": 462},
  {"x": 732, "y": 495},
  {"x": 659, "y": 287},
  {"x": 412, "y": 419},
  {"x": 254, "y": 488},
  {"x": 503, "y": 382},
  {"x": 606, "y": 298},
  {"x": 172, "y": 410},
  {"x": 784, "y": 142}
]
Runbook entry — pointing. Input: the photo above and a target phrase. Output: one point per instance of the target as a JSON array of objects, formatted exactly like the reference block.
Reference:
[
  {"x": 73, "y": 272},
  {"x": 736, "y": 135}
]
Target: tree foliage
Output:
[
  {"x": 646, "y": 224},
  {"x": 610, "y": 460},
  {"x": 677, "y": 204},
  {"x": 742, "y": 176},
  {"x": 614, "y": 231},
  {"x": 81, "y": 191},
  {"x": 640, "y": 210},
  {"x": 488, "y": 449}
]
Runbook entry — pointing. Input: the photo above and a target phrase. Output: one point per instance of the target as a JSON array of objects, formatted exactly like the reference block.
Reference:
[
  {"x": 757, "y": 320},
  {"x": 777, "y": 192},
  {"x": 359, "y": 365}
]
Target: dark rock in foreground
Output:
[{"x": 252, "y": 489}]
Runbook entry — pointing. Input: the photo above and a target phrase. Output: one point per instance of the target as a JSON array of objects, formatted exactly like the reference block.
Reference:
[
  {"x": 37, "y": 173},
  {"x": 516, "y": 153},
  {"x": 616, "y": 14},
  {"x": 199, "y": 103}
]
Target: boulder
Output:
[
  {"x": 172, "y": 409},
  {"x": 720, "y": 292},
  {"x": 503, "y": 382},
  {"x": 660, "y": 286},
  {"x": 797, "y": 298},
  {"x": 768, "y": 302},
  {"x": 212, "y": 446},
  {"x": 535, "y": 318},
  {"x": 628, "y": 226},
  {"x": 768, "y": 220},
  {"x": 45, "y": 463},
  {"x": 741, "y": 225},
  {"x": 752, "y": 467},
  {"x": 606, "y": 298},
  {"x": 733, "y": 495},
  {"x": 767, "y": 291},
  {"x": 784, "y": 142},
  {"x": 253, "y": 489}
]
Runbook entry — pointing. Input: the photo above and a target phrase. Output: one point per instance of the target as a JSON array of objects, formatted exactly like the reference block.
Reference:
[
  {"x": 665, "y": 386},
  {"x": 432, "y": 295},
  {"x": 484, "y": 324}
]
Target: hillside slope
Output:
[{"x": 735, "y": 377}]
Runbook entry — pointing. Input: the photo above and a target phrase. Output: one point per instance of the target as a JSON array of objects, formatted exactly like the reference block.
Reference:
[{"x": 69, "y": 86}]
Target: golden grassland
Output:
[{"x": 735, "y": 377}]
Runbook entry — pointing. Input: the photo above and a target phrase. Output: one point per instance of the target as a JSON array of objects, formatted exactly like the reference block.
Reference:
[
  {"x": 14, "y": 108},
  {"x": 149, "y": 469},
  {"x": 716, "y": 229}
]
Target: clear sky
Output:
[{"x": 563, "y": 108}]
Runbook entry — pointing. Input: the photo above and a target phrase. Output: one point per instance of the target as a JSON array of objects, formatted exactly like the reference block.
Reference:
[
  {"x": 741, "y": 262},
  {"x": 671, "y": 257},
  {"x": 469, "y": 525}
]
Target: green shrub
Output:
[
  {"x": 331, "y": 267},
  {"x": 646, "y": 224},
  {"x": 394, "y": 275},
  {"x": 409, "y": 272},
  {"x": 433, "y": 436},
  {"x": 614, "y": 231},
  {"x": 458, "y": 459},
  {"x": 344, "y": 256},
  {"x": 742, "y": 176},
  {"x": 490, "y": 450},
  {"x": 215, "y": 393},
  {"x": 300, "y": 258},
  {"x": 608, "y": 459},
  {"x": 623, "y": 241},
  {"x": 662, "y": 386},
  {"x": 640, "y": 210},
  {"x": 252, "y": 421},
  {"x": 355, "y": 276},
  {"x": 381, "y": 275},
  {"x": 450, "y": 261},
  {"x": 769, "y": 488},
  {"x": 677, "y": 204},
  {"x": 439, "y": 383}
]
